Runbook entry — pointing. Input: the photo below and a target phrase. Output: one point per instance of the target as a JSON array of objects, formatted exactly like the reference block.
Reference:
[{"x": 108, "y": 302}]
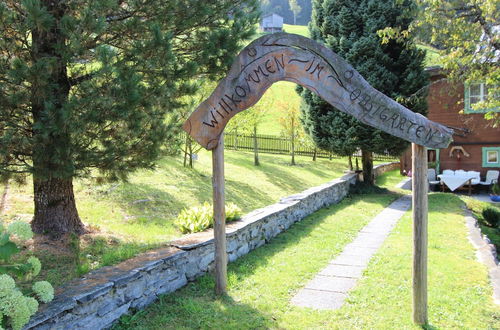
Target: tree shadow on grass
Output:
[
  {"x": 147, "y": 204},
  {"x": 196, "y": 307},
  {"x": 283, "y": 179},
  {"x": 246, "y": 197},
  {"x": 144, "y": 201},
  {"x": 292, "y": 236}
]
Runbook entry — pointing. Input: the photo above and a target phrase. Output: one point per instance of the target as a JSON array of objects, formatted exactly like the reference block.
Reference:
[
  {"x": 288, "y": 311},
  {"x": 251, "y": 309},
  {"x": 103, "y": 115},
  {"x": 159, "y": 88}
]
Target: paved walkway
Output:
[{"x": 331, "y": 286}]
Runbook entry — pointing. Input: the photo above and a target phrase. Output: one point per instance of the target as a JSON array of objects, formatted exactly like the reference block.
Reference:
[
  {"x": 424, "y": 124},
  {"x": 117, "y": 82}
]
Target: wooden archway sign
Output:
[{"x": 294, "y": 58}]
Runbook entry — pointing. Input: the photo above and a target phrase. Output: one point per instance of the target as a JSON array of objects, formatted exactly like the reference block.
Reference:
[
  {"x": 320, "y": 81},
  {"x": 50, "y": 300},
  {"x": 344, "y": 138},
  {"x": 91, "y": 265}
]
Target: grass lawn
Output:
[
  {"x": 282, "y": 91},
  {"x": 128, "y": 218},
  {"x": 262, "y": 283},
  {"x": 432, "y": 57},
  {"x": 477, "y": 207},
  {"x": 296, "y": 29}
]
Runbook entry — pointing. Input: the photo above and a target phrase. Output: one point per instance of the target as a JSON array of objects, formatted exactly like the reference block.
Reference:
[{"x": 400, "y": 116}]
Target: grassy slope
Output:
[
  {"x": 262, "y": 283},
  {"x": 139, "y": 215},
  {"x": 296, "y": 29},
  {"x": 280, "y": 91},
  {"x": 144, "y": 208}
]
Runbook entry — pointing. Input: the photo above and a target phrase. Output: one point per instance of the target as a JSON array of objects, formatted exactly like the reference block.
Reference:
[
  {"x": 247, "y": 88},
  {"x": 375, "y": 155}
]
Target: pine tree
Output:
[
  {"x": 94, "y": 86},
  {"x": 350, "y": 28}
]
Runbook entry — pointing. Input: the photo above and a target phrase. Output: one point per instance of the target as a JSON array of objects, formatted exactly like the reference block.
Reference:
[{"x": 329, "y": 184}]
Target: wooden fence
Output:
[{"x": 272, "y": 144}]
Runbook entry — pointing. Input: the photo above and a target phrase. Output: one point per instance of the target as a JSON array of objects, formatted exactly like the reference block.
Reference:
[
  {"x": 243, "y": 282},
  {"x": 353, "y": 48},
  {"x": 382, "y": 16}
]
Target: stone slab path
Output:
[{"x": 331, "y": 286}]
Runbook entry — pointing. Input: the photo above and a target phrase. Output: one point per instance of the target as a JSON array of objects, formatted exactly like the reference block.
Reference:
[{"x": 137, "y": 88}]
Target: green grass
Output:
[
  {"x": 432, "y": 57},
  {"x": 477, "y": 208},
  {"x": 262, "y": 283},
  {"x": 143, "y": 209},
  {"x": 128, "y": 218},
  {"x": 296, "y": 29},
  {"x": 282, "y": 91},
  {"x": 389, "y": 180}
]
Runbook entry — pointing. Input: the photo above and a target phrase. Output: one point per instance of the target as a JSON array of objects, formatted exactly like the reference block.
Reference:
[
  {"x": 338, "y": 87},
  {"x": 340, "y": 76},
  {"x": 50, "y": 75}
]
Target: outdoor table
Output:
[{"x": 453, "y": 182}]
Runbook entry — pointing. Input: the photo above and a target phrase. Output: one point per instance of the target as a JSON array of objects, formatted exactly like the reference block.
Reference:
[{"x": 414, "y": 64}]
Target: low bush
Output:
[
  {"x": 233, "y": 212},
  {"x": 496, "y": 189},
  {"x": 16, "y": 308},
  {"x": 199, "y": 218},
  {"x": 492, "y": 216}
]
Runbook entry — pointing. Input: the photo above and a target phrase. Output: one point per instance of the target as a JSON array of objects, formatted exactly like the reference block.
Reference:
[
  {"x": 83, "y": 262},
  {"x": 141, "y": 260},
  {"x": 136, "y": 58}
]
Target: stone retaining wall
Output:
[
  {"x": 380, "y": 169},
  {"x": 102, "y": 296}
]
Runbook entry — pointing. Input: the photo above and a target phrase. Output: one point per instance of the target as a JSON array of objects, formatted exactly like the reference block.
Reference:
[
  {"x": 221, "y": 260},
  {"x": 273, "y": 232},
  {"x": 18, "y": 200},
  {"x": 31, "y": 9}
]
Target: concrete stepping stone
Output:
[
  {"x": 342, "y": 271},
  {"x": 320, "y": 299},
  {"x": 331, "y": 286}
]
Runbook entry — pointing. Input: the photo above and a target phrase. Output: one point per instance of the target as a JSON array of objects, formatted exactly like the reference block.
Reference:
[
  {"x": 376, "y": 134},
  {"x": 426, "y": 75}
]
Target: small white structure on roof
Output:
[{"x": 271, "y": 23}]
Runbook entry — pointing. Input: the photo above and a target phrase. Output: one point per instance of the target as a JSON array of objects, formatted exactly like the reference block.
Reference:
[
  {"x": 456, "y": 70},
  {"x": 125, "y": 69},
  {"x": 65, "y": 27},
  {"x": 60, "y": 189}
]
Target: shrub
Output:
[
  {"x": 195, "y": 219},
  {"x": 233, "y": 212},
  {"x": 16, "y": 308},
  {"x": 492, "y": 216},
  {"x": 496, "y": 189},
  {"x": 199, "y": 218}
]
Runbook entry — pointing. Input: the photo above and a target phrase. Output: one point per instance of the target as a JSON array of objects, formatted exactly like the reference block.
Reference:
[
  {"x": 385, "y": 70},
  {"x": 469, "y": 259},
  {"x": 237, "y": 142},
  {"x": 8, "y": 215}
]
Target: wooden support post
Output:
[
  {"x": 420, "y": 208},
  {"x": 219, "y": 217}
]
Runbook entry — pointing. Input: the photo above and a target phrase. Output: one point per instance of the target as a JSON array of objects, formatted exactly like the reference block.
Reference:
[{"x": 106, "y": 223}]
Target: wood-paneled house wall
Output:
[{"x": 477, "y": 143}]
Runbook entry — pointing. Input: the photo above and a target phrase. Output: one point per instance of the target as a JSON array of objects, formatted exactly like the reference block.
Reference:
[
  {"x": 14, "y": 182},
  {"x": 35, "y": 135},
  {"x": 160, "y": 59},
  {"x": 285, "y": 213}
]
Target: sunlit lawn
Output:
[
  {"x": 128, "y": 218},
  {"x": 262, "y": 283}
]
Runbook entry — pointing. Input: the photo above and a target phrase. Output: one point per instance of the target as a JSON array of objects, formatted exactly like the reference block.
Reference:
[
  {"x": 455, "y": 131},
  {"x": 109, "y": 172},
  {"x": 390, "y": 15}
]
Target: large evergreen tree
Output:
[
  {"x": 94, "y": 85},
  {"x": 350, "y": 28}
]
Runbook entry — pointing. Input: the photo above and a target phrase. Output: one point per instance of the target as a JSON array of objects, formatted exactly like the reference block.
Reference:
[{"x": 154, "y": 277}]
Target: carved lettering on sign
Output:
[{"x": 283, "y": 56}]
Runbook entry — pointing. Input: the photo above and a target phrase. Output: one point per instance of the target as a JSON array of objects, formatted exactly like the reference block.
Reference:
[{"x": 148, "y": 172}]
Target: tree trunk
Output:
[
  {"x": 315, "y": 152},
  {"x": 186, "y": 150},
  {"x": 53, "y": 168},
  {"x": 350, "y": 163},
  {"x": 3, "y": 199},
  {"x": 235, "y": 145},
  {"x": 55, "y": 208},
  {"x": 255, "y": 147},
  {"x": 367, "y": 160},
  {"x": 190, "y": 146},
  {"x": 293, "y": 148}
]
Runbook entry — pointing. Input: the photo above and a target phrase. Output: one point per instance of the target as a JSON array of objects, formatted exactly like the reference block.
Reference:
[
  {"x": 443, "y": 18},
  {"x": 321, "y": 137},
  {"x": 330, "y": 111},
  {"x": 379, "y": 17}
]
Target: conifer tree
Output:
[
  {"x": 94, "y": 86},
  {"x": 350, "y": 28}
]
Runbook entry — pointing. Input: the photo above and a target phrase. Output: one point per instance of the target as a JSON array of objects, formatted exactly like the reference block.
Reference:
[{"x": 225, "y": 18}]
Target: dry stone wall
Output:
[{"x": 102, "y": 296}]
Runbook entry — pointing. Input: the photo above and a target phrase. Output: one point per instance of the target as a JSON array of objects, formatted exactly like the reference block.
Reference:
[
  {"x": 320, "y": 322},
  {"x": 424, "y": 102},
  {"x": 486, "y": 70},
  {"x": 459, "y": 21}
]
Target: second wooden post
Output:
[
  {"x": 219, "y": 217},
  {"x": 420, "y": 208}
]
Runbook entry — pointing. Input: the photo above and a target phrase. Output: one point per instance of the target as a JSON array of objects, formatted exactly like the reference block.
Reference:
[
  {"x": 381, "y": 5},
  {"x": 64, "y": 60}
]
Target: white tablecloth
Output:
[{"x": 454, "y": 181}]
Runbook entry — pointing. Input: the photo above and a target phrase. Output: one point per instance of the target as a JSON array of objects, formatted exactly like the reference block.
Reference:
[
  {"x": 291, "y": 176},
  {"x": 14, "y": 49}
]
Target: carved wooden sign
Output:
[{"x": 290, "y": 57}]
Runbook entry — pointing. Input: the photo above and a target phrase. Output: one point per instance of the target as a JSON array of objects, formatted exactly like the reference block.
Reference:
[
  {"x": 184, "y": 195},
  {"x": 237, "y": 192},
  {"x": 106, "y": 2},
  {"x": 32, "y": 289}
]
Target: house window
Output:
[
  {"x": 491, "y": 157},
  {"x": 475, "y": 93}
]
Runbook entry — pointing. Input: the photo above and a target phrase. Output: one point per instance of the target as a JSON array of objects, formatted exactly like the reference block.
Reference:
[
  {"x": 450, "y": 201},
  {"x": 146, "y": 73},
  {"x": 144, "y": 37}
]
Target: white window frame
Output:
[{"x": 482, "y": 97}]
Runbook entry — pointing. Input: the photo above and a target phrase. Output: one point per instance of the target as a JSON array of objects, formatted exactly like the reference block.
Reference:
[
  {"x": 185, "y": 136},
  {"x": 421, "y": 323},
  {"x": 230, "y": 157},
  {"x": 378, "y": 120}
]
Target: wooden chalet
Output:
[
  {"x": 476, "y": 145},
  {"x": 271, "y": 23}
]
